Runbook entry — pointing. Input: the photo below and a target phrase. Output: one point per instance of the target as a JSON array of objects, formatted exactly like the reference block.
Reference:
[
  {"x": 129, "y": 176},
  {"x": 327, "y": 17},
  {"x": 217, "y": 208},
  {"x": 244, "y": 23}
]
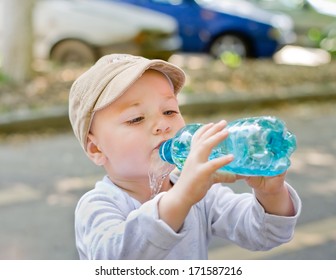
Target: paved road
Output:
[{"x": 43, "y": 176}]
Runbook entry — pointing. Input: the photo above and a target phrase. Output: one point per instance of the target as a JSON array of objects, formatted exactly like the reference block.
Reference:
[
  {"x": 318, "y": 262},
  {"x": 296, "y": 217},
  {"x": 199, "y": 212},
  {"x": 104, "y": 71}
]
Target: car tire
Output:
[
  {"x": 73, "y": 51},
  {"x": 229, "y": 43}
]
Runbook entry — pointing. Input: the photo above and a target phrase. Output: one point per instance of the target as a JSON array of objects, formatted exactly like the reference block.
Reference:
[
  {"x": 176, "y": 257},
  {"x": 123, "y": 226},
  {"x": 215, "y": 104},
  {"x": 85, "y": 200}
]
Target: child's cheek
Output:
[{"x": 134, "y": 162}]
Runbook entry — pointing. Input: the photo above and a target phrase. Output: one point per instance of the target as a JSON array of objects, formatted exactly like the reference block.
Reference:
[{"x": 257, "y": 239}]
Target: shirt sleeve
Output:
[
  {"x": 241, "y": 219},
  {"x": 108, "y": 228}
]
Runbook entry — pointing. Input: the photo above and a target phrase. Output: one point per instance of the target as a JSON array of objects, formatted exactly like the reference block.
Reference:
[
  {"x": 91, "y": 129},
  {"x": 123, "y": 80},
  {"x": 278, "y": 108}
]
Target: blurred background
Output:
[{"x": 241, "y": 57}]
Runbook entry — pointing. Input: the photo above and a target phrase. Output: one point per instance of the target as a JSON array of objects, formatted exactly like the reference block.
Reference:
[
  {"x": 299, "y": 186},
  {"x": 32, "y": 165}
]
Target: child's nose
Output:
[{"x": 161, "y": 127}]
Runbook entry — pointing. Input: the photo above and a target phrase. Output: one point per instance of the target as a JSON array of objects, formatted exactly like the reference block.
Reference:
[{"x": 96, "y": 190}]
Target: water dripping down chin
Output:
[{"x": 157, "y": 173}]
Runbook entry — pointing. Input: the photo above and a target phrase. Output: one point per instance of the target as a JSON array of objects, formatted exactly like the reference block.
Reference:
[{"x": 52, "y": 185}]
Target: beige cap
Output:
[{"x": 107, "y": 80}]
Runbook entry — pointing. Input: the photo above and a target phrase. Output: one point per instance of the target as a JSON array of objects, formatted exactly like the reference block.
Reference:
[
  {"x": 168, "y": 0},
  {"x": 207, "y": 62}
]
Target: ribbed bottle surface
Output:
[{"x": 261, "y": 146}]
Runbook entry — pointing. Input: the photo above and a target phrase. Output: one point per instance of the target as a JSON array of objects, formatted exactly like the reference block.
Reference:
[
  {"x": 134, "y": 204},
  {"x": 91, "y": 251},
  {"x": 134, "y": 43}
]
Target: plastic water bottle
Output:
[{"x": 261, "y": 146}]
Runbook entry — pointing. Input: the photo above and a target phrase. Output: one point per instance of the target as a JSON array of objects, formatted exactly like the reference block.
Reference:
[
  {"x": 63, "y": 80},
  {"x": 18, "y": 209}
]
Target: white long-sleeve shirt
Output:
[{"x": 109, "y": 224}]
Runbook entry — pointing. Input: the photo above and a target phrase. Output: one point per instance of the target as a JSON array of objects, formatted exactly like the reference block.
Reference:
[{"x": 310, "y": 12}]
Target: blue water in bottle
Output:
[{"x": 261, "y": 146}]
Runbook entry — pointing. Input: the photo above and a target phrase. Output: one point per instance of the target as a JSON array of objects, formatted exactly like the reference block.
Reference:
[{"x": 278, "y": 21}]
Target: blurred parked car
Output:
[
  {"x": 216, "y": 26},
  {"x": 82, "y": 31},
  {"x": 314, "y": 20}
]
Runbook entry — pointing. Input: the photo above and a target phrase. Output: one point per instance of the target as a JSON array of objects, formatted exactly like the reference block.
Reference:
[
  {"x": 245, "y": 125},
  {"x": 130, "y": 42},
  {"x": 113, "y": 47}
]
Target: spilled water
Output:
[{"x": 157, "y": 173}]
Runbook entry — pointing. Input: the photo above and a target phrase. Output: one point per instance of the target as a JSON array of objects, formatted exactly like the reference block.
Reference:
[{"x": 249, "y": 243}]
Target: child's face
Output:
[{"x": 125, "y": 134}]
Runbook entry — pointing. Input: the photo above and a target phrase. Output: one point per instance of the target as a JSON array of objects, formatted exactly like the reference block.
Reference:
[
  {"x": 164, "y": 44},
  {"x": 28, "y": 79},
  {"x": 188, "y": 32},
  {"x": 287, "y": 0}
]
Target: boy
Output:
[{"x": 121, "y": 110}]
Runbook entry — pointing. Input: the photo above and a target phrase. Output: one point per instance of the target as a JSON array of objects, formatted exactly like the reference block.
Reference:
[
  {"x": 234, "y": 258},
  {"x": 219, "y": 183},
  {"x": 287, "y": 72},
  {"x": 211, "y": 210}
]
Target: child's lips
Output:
[{"x": 158, "y": 146}]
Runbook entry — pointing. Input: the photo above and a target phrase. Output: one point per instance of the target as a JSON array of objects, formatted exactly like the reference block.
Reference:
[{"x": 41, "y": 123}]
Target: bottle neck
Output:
[{"x": 165, "y": 151}]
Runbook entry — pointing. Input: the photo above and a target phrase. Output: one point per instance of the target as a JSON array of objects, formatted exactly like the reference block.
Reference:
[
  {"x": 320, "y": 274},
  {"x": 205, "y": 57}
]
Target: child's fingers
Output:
[
  {"x": 210, "y": 129},
  {"x": 214, "y": 164},
  {"x": 207, "y": 138},
  {"x": 200, "y": 132},
  {"x": 224, "y": 177},
  {"x": 210, "y": 135}
]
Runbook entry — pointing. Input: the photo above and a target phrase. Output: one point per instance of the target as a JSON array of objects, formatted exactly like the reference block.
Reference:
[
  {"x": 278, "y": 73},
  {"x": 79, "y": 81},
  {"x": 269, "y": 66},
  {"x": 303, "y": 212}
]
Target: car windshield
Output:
[
  {"x": 324, "y": 6},
  {"x": 328, "y": 6}
]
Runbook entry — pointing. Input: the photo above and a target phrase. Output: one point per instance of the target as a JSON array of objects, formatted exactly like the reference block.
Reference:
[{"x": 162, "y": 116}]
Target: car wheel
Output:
[
  {"x": 229, "y": 43},
  {"x": 73, "y": 51}
]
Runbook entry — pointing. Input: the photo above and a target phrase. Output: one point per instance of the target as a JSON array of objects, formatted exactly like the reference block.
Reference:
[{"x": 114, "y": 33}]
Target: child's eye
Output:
[
  {"x": 135, "y": 120},
  {"x": 170, "y": 112}
]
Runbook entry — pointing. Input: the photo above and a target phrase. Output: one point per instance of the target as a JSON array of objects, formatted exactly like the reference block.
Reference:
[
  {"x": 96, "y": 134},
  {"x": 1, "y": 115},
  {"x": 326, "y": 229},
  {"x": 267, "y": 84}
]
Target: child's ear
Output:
[{"x": 93, "y": 151}]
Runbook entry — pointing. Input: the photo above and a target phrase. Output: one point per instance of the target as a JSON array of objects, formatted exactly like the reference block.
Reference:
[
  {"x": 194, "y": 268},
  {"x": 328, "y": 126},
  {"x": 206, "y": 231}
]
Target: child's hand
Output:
[
  {"x": 197, "y": 176},
  {"x": 273, "y": 194},
  {"x": 199, "y": 173},
  {"x": 266, "y": 185}
]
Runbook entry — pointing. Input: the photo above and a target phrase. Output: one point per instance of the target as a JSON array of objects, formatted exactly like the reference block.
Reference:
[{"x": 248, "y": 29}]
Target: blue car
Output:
[{"x": 217, "y": 26}]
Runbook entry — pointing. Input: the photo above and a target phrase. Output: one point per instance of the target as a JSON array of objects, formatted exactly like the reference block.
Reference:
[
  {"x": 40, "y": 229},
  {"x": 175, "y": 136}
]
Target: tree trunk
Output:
[{"x": 17, "y": 40}]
